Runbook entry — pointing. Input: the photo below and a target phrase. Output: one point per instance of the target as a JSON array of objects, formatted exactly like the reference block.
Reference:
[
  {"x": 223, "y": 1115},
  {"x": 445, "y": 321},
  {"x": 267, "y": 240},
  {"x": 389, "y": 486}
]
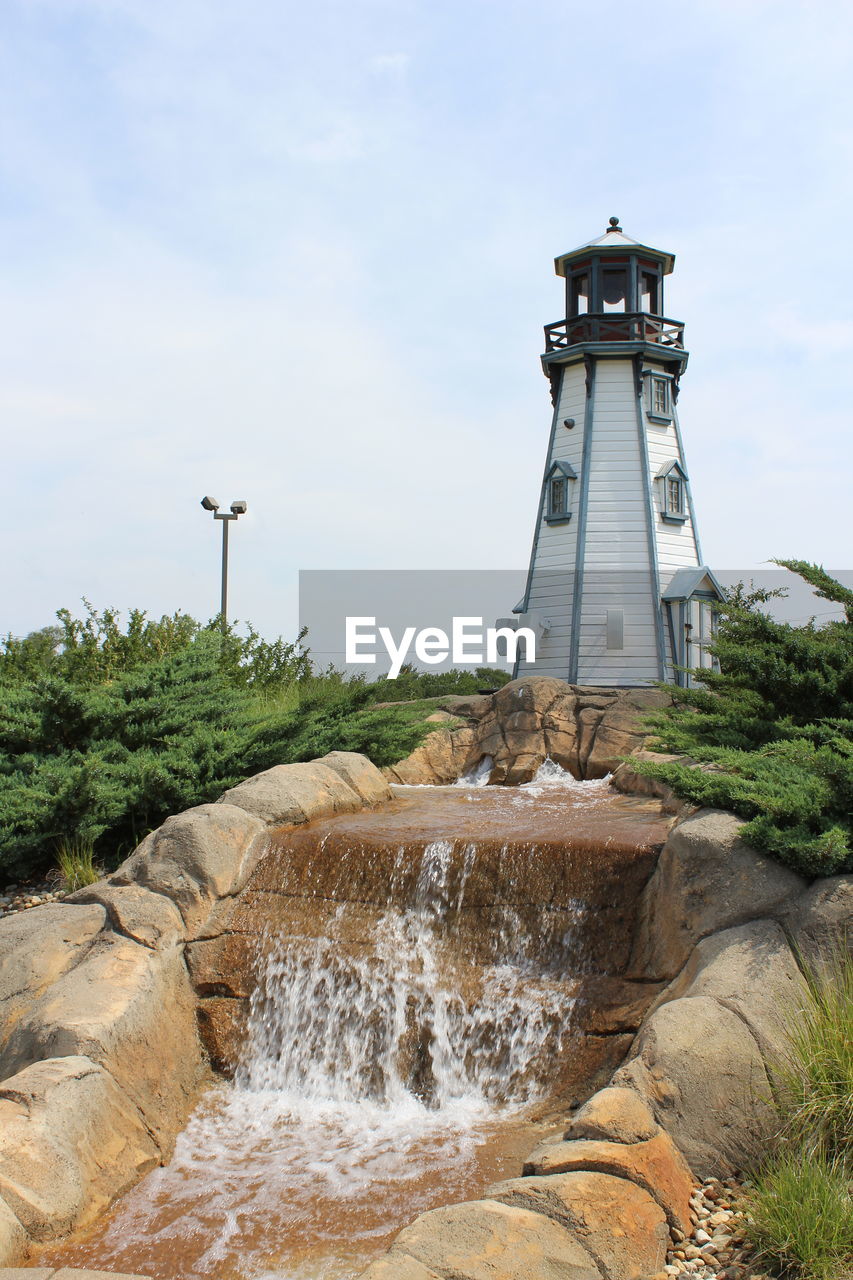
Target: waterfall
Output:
[{"x": 401, "y": 1024}]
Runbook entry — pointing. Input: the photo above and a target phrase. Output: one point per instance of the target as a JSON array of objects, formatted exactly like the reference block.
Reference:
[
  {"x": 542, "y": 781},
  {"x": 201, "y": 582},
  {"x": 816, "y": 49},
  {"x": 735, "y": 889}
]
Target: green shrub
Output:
[{"x": 774, "y": 726}]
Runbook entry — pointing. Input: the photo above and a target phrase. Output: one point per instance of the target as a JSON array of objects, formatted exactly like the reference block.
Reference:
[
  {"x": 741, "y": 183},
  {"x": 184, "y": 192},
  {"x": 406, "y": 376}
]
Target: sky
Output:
[{"x": 302, "y": 255}]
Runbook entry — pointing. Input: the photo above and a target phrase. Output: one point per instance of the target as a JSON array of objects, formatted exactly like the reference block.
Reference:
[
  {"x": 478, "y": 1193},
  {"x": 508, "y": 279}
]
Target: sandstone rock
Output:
[
  {"x": 222, "y": 1027},
  {"x": 751, "y": 970},
  {"x": 614, "y": 1115},
  {"x": 13, "y": 1237},
  {"x": 150, "y": 919},
  {"x": 618, "y": 1222},
  {"x": 394, "y": 1266},
  {"x": 485, "y": 1240},
  {"x": 359, "y": 773},
  {"x": 654, "y": 1164},
  {"x": 440, "y": 759},
  {"x": 627, "y": 780},
  {"x": 822, "y": 918},
  {"x": 70, "y": 1142},
  {"x": 699, "y": 1068},
  {"x": 621, "y": 729},
  {"x": 289, "y": 794},
  {"x": 36, "y": 948},
  {"x": 227, "y": 965},
  {"x": 706, "y": 879},
  {"x": 130, "y": 1011},
  {"x": 199, "y": 856}
]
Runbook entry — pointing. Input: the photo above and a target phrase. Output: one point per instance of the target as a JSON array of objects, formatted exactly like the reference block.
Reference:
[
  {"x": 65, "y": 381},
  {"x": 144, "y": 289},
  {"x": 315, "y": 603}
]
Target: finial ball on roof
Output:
[{"x": 614, "y": 222}]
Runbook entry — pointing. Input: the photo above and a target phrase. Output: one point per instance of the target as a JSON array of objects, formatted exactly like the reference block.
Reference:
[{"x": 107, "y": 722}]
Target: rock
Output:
[
  {"x": 699, "y": 1068},
  {"x": 627, "y": 780},
  {"x": 706, "y": 880},
  {"x": 819, "y": 920},
  {"x": 485, "y": 1240},
  {"x": 394, "y": 1266},
  {"x": 654, "y": 1164},
  {"x": 621, "y": 729},
  {"x": 131, "y": 1011},
  {"x": 290, "y": 794},
  {"x": 440, "y": 759},
  {"x": 614, "y": 1115},
  {"x": 147, "y": 918},
  {"x": 359, "y": 773},
  {"x": 13, "y": 1237},
  {"x": 70, "y": 1142},
  {"x": 36, "y": 948},
  {"x": 619, "y": 1223},
  {"x": 222, "y": 1027},
  {"x": 752, "y": 971},
  {"x": 199, "y": 856}
]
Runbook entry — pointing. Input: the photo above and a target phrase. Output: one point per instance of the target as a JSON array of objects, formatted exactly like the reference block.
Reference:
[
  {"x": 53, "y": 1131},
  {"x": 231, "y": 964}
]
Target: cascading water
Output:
[{"x": 413, "y": 997}]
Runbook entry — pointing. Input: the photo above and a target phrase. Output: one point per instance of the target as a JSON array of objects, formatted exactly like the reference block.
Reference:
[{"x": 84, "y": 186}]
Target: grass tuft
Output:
[
  {"x": 800, "y": 1210},
  {"x": 75, "y": 863}
]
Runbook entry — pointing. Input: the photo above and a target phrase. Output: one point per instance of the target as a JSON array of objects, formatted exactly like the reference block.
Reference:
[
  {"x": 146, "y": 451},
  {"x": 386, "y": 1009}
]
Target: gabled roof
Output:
[
  {"x": 565, "y": 468},
  {"x": 672, "y": 465},
  {"x": 685, "y": 582},
  {"x": 613, "y": 240}
]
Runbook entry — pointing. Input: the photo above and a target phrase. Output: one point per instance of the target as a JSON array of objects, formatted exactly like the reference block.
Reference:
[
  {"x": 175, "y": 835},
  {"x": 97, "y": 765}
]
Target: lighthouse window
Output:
[
  {"x": 675, "y": 496},
  {"x": 580, "y": 295},
  {"x": 649, "y": 292},
  {"x": 660, "y": 395},
  {"x": 558, "y": 492},
  {"x": 614, "y": 288}
]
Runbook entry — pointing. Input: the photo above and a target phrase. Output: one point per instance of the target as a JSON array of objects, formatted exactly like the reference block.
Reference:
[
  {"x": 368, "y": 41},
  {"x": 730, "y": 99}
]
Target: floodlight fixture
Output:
[
  {"x": 240, "y": 507},
  {"x": 210, "y": 504}
]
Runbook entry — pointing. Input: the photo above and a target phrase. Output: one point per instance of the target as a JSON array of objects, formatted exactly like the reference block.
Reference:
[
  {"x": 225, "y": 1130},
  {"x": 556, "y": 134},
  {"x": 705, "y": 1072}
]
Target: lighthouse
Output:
[{"x": 616, "y": 592}]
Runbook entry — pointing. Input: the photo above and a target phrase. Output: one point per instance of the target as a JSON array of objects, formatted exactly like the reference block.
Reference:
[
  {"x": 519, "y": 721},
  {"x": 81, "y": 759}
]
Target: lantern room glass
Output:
[{"x": 614, "y": 289}]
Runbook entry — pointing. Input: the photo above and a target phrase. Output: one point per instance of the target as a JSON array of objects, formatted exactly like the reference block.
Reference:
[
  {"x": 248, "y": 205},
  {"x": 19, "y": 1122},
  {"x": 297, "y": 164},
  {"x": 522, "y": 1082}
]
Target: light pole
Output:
[{"x": 237, "y": 509}]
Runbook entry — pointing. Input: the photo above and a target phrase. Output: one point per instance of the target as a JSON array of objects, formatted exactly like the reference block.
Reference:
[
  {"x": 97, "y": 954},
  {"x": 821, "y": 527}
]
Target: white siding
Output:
[
  {"x": 617, "y": 567},
  {"x": 552, "y": 582}
]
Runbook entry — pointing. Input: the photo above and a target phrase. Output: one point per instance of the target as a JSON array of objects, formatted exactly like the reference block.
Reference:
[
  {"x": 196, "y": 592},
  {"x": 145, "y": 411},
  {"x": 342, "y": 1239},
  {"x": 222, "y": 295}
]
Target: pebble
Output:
[
  {"x": 721, "y": 1256},
  {"x": 16, "y": 897}
]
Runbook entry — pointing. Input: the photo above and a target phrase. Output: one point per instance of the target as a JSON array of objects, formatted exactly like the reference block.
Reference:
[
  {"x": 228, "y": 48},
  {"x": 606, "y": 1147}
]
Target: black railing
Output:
[{"x": 619, "y": 326}]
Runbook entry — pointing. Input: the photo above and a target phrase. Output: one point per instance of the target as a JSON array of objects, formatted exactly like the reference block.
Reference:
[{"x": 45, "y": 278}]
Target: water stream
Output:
[{"x": 395, "y": 1055}]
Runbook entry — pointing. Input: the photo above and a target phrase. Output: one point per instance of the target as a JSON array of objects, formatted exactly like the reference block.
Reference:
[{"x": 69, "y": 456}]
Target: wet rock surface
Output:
[{"x": 586, "y": 731}]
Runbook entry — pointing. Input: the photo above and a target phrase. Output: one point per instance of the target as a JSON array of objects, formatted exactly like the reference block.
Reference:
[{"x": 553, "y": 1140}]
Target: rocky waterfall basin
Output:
[{"x": 401, "y": 1002}]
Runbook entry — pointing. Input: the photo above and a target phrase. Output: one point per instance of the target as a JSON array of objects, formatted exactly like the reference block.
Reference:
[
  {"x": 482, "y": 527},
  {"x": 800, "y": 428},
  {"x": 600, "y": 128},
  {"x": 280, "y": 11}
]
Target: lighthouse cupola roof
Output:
[{"x": 614, "y": 243}]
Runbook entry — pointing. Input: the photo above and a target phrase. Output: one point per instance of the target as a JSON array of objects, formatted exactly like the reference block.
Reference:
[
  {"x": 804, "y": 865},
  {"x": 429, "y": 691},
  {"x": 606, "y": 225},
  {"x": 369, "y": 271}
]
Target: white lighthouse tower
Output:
[{"x": 616, "y": 590}]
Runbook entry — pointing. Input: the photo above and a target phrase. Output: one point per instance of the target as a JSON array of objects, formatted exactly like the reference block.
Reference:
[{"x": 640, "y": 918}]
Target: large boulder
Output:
[
  {"x": 199, "y": 856},
  {"x": 654, "y": 1164},
  {"x": 290, "y": 794},
  {"x": 359, "y": 773},
  {"x": 37, "y": 947},
  {"x": 698, "y": 1066},
  {"x": 706, "y": 880},
  {"x": 621, "y": 730},
  {"x": 485, "y": 1240},
  {"x": 148, "y": 918},
  {"x": 614, "y": 1115},
  {"x": 617, "y": 1222},
  {"x": 822, "y": 919},
  {"x": 13, "y": 1241},
  {"x": 132, "y": 1012},
  {"x": 752, "y": 971},
  {"x": 70, "y": 1142},
  {"x": 440, "y": 759}
]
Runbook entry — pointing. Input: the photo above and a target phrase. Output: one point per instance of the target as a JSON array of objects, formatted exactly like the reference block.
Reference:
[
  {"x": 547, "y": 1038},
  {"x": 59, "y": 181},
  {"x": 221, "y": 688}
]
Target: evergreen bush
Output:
[{"x": 773, "y": 728}]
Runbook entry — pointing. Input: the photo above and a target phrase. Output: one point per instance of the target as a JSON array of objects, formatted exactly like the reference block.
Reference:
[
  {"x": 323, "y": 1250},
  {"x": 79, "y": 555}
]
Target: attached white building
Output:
[{"x": 616, "y": 588}]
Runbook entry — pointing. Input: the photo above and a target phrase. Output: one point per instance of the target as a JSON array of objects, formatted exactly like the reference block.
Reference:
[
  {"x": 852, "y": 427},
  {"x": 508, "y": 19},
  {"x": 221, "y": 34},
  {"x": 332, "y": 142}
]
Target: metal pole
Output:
[{"x": 223, "y": 608}]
